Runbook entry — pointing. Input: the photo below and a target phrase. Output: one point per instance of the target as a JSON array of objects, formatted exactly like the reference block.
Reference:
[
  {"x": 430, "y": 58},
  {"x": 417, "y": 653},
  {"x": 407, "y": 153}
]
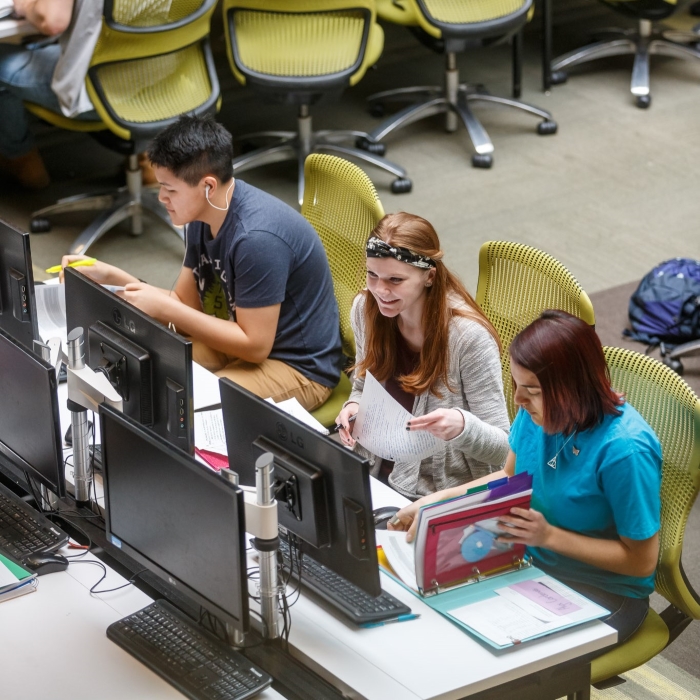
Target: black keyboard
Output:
[
  {"x": 343, "y": 595},
  {"x": 25, "y": 531},
  {"x": 188, "y": 657}
]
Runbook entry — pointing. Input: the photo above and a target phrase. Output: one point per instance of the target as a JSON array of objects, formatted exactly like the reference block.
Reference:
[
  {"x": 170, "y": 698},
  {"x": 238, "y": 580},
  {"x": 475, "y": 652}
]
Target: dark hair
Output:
[
  {"x": 566, "y": 355},
  {"x": 445, "y": 299},
  {"x": 192, "y": 148}
]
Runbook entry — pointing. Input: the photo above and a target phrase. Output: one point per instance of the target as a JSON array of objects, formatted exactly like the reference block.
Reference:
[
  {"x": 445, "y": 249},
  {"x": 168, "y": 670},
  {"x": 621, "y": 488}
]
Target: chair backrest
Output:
[
  {"x": 672, "y": 409},
  {"x": 516, "y": 284},
  {"x": 152, "y": 63},
  {"x": 283, "y": 41},
  {"x": 342, "y": 205}
]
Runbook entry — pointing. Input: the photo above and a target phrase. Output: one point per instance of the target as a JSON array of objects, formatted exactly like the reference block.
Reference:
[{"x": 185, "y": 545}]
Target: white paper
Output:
[
  {"x": 294, "y": 408},
  {"x": 209, "y": 431},
  {"x": 502, "y": 621},
  {"x": 51, "y": 311},
  {"x": 401, "y": 555},
  {"x": 205, "y": 386},
  {"x": 381, "y": 427}
]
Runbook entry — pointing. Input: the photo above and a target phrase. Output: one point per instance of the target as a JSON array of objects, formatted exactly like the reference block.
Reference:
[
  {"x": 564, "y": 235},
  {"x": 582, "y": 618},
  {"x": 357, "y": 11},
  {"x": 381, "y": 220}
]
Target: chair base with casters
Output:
[
  {"x": 641, "y": 43},
  {"x": 455, "y": 101},
  {"x": 130, "y": 202},
  {"x": 672, "y": 357},
  {"x": 296, "y": 146}
]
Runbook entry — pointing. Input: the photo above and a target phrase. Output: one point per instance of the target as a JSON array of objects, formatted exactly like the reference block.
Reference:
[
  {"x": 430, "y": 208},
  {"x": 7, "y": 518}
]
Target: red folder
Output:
[{"x": 461, "y": 546}]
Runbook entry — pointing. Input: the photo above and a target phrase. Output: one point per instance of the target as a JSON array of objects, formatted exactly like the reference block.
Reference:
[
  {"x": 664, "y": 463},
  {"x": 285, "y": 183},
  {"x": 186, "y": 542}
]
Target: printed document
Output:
[
  {"x": 380, "y": 427},
  {"x": 51, "y": 311},
  {"x": 400, "y": 554},
  {"x": 209, "y": 432}
]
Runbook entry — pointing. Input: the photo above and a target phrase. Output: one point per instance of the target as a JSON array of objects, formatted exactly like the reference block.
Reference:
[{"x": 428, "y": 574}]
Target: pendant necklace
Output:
[{"x": 553, "y": 462}]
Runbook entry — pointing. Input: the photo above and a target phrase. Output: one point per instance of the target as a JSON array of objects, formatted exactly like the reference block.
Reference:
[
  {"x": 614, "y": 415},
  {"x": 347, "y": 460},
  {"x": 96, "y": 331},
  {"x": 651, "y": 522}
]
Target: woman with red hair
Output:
[
  {"x": 420, "y": 333},
  {"x": 596, "y": 468}
]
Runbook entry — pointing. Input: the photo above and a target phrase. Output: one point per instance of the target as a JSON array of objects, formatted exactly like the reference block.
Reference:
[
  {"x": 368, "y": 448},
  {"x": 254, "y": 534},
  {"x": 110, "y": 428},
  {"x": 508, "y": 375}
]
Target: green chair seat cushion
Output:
[
  {"x": 461, "y": 12},
  {"x": 326, "y": 414},
  {"x": 650, "y": 639},
  {"x": 299, "y": 44}
]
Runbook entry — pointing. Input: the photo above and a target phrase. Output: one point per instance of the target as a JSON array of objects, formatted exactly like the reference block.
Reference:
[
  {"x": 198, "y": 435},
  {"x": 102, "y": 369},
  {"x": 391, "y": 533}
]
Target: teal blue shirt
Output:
[{"x": 606, "y": 484}]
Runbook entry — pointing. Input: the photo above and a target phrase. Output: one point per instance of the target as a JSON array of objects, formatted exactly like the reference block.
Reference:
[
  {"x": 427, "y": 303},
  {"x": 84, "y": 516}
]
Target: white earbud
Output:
[{"x": 206, "y": 194}]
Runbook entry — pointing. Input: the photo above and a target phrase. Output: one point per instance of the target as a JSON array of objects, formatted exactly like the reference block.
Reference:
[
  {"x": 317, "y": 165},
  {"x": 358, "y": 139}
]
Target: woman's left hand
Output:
[
  {"x": 526, "y": 526},
  {"x": 443, "y": 423}
]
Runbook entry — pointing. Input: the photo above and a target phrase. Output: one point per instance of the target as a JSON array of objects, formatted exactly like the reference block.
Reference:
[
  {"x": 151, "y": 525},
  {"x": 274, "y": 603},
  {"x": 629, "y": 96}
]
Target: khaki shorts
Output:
[{"x": 270, "y": 378}]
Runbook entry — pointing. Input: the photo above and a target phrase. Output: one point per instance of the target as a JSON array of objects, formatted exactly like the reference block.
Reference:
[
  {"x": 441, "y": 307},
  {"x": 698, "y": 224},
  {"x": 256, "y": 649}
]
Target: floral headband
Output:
[{"x": 377, "y": 248}]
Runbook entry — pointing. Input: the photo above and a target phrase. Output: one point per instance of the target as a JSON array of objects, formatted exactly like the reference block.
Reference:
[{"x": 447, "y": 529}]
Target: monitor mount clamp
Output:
[{"x": 261, "y": 522}]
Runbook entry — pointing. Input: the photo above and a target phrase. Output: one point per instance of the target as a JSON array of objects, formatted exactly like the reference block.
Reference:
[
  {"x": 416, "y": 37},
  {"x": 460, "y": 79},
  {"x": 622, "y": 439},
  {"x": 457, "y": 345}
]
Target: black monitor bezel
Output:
[
  {"x": 15, "y": 462},
  {"x": 82, "y": 291},
  {"x": 107, "y": 413},
  {"x": 270, "y": 423},
  {"x": 25, "y": 333}
]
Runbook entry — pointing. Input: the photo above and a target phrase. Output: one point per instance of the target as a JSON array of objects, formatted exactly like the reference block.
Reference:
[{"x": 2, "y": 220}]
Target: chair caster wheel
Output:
[
  {"x": 401, "y": 185},
  {"x": 548, "y": 126},
  {"x": 643, "y": 101},
  {"x": 39, "y": 225},
  {"x": 559, "y": 77},
  {"x": 675, "y": 365},
  {"x": 364, "y": 144},
  {"x": 376, "y": 109},
  {"x": 482, "y": 160}
]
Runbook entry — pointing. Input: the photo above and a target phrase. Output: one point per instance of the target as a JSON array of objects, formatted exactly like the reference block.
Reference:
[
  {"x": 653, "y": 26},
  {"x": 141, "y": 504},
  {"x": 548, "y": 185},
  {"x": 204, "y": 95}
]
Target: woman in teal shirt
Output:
[{"x": 596, "y": 468}]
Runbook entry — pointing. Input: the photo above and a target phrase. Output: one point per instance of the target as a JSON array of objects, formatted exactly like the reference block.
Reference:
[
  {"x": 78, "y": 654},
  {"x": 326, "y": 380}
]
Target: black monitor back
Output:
[
  {"x": 158, "y": 361},
  {"x": 30, "y": 431},
  {"x": 327, "y": 475},
  {"x": 175, "y": 517},
  {"x": 17, "y": 305}
]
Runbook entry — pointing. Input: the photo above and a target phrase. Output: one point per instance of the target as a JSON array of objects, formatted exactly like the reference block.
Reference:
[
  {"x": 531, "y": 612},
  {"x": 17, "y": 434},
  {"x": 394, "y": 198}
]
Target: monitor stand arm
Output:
[
  {"x": 87, "y": 389},
  {"x": 261, "y": 522}
]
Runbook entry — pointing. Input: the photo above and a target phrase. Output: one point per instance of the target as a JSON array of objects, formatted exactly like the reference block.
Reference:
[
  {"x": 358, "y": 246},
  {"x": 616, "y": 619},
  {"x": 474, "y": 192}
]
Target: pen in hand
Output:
[
  {"x": 88, "y": 262},
  {"x": 350, "y": 420}
]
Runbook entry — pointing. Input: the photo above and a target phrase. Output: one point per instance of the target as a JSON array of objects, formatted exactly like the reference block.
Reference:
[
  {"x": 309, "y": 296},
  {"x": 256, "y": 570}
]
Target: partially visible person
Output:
[
  {"x": 596, "y": 468},
  {"x": 255, "y": 291},
  {"x": 420, "y": 333},
  {"x": 51, "y": 75}
]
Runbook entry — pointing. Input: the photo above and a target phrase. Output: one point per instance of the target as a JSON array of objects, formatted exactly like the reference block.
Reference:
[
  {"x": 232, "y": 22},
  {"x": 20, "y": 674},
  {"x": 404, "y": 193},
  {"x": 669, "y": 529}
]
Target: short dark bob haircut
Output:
[
  {"x": 192, "y": 148},
  {"x": 566, "y": 355}
]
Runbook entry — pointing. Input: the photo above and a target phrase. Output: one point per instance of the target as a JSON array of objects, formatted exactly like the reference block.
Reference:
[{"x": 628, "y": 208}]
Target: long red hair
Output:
[
  {"x": 566, "y": 355},
  {"x": 419, "y": 236}
]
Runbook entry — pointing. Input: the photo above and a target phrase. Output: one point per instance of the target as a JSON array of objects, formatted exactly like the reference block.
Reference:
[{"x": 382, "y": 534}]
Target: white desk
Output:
[
  {"x": 53, "y": 642},
  {"x": 428, "y": 658},
  {"x": 12, "y": 30}
]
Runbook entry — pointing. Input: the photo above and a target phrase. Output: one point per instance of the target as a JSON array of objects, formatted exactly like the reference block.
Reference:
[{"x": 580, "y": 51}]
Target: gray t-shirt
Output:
[{"x": 264, "y": 254}]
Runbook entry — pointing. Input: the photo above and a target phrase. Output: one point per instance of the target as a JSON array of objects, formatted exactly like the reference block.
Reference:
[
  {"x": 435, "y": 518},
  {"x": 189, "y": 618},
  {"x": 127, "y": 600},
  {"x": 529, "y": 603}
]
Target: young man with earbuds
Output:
[{"x": 255, "y": 292}]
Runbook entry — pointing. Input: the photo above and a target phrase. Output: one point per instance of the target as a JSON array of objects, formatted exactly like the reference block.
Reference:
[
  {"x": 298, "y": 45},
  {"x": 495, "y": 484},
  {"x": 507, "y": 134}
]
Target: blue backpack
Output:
[{"x": 665, "y": 308}]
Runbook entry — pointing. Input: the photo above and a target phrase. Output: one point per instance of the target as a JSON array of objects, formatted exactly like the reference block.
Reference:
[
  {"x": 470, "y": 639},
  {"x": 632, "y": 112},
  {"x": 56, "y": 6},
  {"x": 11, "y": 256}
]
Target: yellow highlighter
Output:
[{"x": 88, "y": 262}]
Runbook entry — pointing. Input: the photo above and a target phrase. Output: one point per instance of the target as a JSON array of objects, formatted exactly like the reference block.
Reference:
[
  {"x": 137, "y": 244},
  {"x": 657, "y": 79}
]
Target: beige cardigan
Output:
[{"x": 474, "y": 371}]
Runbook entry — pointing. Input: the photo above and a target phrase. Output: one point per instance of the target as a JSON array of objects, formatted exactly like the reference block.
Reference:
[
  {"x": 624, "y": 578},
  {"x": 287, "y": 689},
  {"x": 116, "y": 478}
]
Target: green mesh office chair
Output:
[
  {"x": 342, "y": 205},
  {"x": 640, "y": 43},
  {"x": 296, "y": 52},
  {"x": 672, "y": 409},
  {"x": 152, "y": 63},
  {"x": 516, "y": 284},
  {"x": 451, "y": 27}
]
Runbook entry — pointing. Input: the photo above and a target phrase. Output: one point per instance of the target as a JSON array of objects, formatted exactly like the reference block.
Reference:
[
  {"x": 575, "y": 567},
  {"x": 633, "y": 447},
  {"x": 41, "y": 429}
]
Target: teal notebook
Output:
[
  {"x": 503, "y": 621},
  {"x": 15, "y": 580}
]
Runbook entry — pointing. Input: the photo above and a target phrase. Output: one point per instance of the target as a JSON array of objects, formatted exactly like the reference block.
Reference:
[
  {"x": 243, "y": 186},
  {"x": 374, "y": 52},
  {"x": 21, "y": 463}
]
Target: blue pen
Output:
[{"x": 400, "y": 618}]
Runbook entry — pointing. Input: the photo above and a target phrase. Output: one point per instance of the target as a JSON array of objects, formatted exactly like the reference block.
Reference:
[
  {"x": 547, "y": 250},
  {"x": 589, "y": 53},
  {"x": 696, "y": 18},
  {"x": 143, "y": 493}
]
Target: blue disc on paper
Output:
[{"x": 477, "y": 545}]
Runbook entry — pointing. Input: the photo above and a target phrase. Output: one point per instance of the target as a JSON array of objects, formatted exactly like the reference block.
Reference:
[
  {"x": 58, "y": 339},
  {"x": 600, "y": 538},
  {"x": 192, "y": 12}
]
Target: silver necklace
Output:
[{"x": 553, "y": 462}]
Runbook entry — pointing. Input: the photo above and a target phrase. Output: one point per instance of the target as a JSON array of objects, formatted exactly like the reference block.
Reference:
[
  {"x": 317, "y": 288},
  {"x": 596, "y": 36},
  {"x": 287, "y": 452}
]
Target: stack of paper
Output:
[{"x": 15, "y": 580}]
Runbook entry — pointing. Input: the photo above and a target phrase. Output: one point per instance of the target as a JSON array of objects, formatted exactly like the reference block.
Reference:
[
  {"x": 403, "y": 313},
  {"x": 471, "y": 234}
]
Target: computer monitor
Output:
[
  {"x": 322, "y": 489},
  {"x": 30, "y": 429},
  {"x": 175, "y": 517},
  {"x": 17, "y": 306},
  {"x": 148, "y": 364}
]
